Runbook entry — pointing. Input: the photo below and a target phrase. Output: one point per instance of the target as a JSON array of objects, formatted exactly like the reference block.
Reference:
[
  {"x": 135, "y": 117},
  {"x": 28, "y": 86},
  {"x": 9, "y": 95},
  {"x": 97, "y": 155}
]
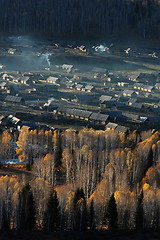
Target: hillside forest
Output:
[
  {"x": 81, "y": 180},
  {"x": 85, "y": 17}
]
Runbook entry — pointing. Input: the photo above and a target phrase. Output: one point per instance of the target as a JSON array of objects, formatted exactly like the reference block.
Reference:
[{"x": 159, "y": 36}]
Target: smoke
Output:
[
  {"x": 47, "y": 59},
  {"x": 101, "y": 48}
]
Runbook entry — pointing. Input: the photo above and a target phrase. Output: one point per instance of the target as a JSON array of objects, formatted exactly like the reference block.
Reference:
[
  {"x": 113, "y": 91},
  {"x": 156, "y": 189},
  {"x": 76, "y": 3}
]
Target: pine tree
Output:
[
  {"x": 5, "y": 221},
  {"x": 27, "y": 208},
  {"x": 111, "y": 213},
  {"x": 52, "y": 214},
  {"x": 79, "y": 223},
  {"x": 139, "y": 213},
  {"x": 91, "y": 216}
]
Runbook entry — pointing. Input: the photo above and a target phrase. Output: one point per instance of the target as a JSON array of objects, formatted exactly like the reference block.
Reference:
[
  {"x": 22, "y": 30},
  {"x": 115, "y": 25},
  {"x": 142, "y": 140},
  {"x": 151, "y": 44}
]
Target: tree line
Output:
[{"x": 80, "y": 17}]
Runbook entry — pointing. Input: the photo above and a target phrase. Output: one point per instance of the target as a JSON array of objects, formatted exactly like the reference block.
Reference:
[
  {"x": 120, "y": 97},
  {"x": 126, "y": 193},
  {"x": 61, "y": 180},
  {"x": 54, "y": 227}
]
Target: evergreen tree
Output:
[
  {"x": 91, "y": 216},
  {"x": 111, "y": 213},
  {"x": 79, "y": 223},
  {"x": 5, "y": 219},
  {"x": 26, "y": 208},
  {"x": 139, "y": 213},
  {"x": 52, "y": 214}
]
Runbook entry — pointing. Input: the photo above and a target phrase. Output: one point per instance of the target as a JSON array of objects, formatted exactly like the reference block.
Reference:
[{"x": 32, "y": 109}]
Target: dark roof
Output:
[
  {"x": 132, "y": 100},
  {"x": 131, "y": 116},
  {"x": 120, "y": 104},
  {"x": 115, "y": 114},
  {"x": 15, "y": 99},
  {"x": 99, "y": 117},
  {"x": 156, "y": 110},
  {"x": 121, "y": 128},
  {"x": 84, "y": 97},
  {"x": 137, "y": 105},
  {"x": 154, "y": 119},
  {"x": 75, "y": 112}
]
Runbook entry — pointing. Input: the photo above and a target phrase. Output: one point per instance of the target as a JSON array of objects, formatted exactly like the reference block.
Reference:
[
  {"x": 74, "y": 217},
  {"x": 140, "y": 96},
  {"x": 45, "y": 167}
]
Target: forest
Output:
[
  {"x": 84, "y": 17},
  {"x": 82, "y": 180}
]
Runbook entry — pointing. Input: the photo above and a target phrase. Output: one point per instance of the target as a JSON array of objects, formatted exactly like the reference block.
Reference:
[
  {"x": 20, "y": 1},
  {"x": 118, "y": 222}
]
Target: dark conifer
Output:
[
  {"x": 52, "y": 214},
  {"x": 111, "y": 213},
  {"x": 139, "y": 213},
  {"x": 91, "y": 216},
  {"x": 80, "y": 216},
  {"x": 27, "y": 208}
]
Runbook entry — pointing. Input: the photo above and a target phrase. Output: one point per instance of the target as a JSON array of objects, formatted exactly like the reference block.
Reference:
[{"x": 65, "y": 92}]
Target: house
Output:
[
  {"x": 14, "y": 99},
  {"x": 122, "y": 84},
  {"x": 17, "y": 80},
  {"x": 105, "y": 98},
  {"x": 147, "y": 88},
  {"x": 83, "y": 97},
  {"x": 13, "y": 120},
  {"x": 77, "y": 113},
  {"x": 154, "y": 119},
  {"x": 99, "y": 117},
  {"x": 147, "y": 94},
  {"x": 115, "y": 115},
  {"x": 157, "y": 86},
  {"x": 2, "y": 120},
  {"x": 132, "y": 117},
  {"x": 129, "y": 93},
  {"x": 82, "y": 114},
  {"x": 70, "y": 85},
  {"x": 53, "y": 80},
  {"x": 3, "y": 85},
  {"x": 137, "y": 106},
  {"x": 138, "y": 86},
  {"x": 79, "y": 87},
  {"x": 110, "y": 77},
  {"x": 111, "y": 126},
  {"x": 67, "y": 67},
  {"x": 26, "y": 80},
  {"x": 132, "y": 78},
  {"x": 88, "y": 88},
  {"x": 131, "y": 101},
  {"x": 2, "y": 66},
  {"x": 5, "y": 76},
  {"x": 147, "y": 76},
  {"x": 11, "y": 51},
  {"x": 121, "y": 129}
]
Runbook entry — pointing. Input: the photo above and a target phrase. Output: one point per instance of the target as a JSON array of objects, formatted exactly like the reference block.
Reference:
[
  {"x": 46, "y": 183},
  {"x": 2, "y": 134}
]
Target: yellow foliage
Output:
[{"x": 146, "y": 187}]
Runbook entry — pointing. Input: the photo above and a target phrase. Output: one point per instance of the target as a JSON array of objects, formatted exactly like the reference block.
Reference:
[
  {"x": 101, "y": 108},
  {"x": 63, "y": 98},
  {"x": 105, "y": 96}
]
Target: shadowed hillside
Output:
[{"x": 80, "y": 16}]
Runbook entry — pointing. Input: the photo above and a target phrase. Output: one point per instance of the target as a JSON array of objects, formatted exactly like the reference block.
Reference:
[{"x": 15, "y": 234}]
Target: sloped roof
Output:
[
  {"x": 105, "y": 98},
  {"x": 15, "y": 99},
  {"x": 99, "y": 117},
  {"x": 52, "y": 79},
  {"x": 111, "y": 125}
]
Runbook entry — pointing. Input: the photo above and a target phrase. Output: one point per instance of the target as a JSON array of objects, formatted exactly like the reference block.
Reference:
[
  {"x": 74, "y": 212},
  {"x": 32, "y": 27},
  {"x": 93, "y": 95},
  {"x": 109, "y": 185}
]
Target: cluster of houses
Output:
[
  {"x": 107, "y": 117},
  {"x": 134, "y": 93}
]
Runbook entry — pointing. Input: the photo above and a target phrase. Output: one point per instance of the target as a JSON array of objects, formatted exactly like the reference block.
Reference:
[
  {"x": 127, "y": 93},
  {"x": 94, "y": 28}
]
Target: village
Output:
[{"x": 61, "y": 94}]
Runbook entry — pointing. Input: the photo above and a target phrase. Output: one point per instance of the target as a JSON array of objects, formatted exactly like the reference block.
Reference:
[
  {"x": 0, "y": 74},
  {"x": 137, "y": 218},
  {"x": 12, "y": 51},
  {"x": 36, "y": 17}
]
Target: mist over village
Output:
[{"x": 80, "y": 119}]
